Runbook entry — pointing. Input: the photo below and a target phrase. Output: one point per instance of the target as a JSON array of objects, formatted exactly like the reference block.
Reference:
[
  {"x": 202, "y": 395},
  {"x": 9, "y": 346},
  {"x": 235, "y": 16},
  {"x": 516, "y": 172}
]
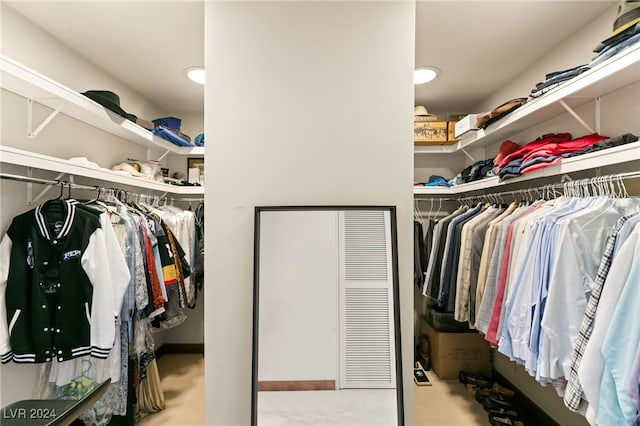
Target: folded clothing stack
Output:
[
  {"x": 168, "y": 128},
  {"x": 485, "y": 119},
  {"x": 626, "y": 32},
  {"x": 555, "y": 79},
  {"x": 551, "y": 148}
]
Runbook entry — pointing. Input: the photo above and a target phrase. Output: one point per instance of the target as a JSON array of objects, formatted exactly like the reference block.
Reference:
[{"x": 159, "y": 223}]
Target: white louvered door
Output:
[{"x": 367, "y": 355}]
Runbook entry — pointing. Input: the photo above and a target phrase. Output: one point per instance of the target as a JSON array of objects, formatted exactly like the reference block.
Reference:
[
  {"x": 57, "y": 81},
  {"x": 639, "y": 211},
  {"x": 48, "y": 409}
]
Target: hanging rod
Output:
[
  {"x": 562, "y": 185},
  {"x": 72, "y": 185},
  {"x": 49, "y": 182},
  {"x": 558, "y": 185},
  {"x": 187, "y": 199}
]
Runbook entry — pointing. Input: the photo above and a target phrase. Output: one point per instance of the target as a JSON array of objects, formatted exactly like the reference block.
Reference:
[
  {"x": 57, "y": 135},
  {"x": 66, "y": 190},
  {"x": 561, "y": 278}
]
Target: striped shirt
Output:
[{"x": 573, "y": 393}]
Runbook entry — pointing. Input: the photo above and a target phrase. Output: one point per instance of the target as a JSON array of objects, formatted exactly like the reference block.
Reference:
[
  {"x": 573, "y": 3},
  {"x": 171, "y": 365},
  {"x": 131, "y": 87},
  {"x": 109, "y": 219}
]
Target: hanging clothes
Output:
[
  {"x": 109, "y": 269},
  {"x": 544, "y": 273},
  {"x": 58, "y": 251}
]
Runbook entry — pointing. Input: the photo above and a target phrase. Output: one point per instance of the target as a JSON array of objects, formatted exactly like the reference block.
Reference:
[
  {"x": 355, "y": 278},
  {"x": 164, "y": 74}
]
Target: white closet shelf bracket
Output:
[
  {"x": 33, "y": 133},
  {"x": 578, "y": 118},
  {"x": 163, "y": 155},
  {"x": 42, "y": 193},
  {"x": 598, "y": 114},
  {"x": 29, "y": 185},
  {"x": 468, "y": 155}
]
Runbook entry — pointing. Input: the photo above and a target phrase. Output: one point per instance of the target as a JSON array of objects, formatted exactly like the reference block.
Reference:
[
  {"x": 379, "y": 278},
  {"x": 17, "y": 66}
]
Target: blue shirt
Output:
[{"x": 615, "y": 405}]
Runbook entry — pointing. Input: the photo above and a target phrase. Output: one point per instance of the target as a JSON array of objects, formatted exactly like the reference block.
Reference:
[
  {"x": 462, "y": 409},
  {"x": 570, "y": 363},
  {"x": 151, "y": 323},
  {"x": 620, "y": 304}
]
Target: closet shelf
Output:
[
  {"x": 609, "y": 76},
  {"x": 30, "y": 84},
  {"x": 618, "y": 155},
  {"x": 20, "y": 157}
]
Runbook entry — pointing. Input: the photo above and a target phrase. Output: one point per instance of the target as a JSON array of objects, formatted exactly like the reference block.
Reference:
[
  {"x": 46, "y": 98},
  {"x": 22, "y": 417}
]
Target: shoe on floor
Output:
[
  {"x": 474, "y": 379},
  {"x": 501, "y": 420},
  {"x": 503, "y": 412},
  {"x": 503, "y": 390},
  {"x": 483, "y": 394},
  {"x": 496, "y": 402}
]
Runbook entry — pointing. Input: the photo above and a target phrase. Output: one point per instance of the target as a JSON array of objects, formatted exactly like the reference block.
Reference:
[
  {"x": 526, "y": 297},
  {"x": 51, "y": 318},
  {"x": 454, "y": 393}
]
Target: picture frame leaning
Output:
[{"x": 195, "y": 170}]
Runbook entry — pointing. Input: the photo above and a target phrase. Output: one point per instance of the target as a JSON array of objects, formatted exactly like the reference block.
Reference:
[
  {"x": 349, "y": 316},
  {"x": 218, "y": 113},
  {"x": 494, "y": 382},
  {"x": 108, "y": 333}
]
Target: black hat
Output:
[
  {"x": 627, "y": 16},
  {"x": 110, "y": 101}
]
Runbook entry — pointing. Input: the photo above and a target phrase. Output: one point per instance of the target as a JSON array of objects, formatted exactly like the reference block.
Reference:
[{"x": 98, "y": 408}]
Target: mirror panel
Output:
[{"x": 326, "y": 344}]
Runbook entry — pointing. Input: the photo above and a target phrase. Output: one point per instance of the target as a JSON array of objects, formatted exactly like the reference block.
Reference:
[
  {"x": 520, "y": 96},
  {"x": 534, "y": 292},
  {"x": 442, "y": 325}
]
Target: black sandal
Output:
[
  {"x": 474, "y": 379},
  {"x": 501, "y": 420}
]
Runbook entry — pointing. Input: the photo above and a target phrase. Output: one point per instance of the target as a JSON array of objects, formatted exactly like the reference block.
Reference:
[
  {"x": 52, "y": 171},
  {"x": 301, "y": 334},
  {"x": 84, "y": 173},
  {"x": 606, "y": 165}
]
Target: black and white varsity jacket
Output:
[{"x": 56, "y": 300}]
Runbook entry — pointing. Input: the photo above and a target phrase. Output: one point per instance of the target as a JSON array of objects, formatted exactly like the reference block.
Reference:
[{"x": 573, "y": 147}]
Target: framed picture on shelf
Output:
[{"x": 195, "y": 170}]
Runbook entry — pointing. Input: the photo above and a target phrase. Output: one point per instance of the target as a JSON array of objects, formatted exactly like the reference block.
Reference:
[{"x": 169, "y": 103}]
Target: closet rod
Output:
[
  {"x": 48, "y": 181},
  {"x": 559, "y": 185},
  {"x": 72, "y": 185}
]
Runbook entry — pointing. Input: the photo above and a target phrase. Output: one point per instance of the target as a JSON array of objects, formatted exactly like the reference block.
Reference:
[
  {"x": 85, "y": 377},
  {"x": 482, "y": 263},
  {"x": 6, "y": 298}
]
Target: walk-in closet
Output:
[{"x": 380, "y": 250}]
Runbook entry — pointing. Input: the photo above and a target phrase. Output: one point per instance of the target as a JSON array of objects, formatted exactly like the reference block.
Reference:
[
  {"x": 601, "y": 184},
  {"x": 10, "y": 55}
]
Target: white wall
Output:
[
  {"x": 298, "y": 303},
  {"x": 331, "y": 95},
  {"x": 575, "y": 50},
  {"x": 37, "y": 49}
]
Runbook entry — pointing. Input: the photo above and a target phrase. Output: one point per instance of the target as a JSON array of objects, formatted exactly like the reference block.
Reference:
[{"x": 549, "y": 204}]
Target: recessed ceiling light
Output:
[
  {"x": 425, "y": 74},
  {"x": 195, "y": 74}
]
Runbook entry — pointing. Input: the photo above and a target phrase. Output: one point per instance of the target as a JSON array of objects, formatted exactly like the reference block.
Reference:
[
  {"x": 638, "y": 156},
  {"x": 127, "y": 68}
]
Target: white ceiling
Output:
[
  {"x": 478, "y": 45},
  {"x": 481, "y": 45}
]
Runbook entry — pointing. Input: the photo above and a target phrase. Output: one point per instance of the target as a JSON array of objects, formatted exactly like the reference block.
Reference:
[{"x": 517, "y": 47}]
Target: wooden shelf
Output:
[
  {"x": 20, "y": 157},
  {"x": 30, "y": 84},
  {"x": 618, "y": 155},
  {"x": 617, "y": 72}
]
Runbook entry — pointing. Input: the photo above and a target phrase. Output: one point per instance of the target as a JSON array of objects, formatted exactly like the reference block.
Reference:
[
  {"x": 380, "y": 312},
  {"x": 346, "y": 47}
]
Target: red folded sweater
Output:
[
  {"x": 543, "y": 140},
  {"x": 558, "y": 148}
]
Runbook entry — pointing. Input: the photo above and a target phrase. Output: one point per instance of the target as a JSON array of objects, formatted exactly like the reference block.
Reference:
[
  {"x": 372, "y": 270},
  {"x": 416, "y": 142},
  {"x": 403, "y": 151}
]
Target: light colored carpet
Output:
[
  {"x": 349, "y": 407},
  {"x": 182, "y": 379},
  {"x": 445, "y": 403}
]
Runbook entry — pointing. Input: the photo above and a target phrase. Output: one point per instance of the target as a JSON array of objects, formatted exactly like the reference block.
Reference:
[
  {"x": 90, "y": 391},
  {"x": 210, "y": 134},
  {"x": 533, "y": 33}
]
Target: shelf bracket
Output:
[
  {"x": 163, "y": 155},
  {"x": 598, "y": 114},
  {"x": 44, "y": 191},
  {"x": 33, "y": 133},
  {"x": 29, "y": 185},
  {"x": 468, "y": 155},
  {"x": 576, "y": 116}
]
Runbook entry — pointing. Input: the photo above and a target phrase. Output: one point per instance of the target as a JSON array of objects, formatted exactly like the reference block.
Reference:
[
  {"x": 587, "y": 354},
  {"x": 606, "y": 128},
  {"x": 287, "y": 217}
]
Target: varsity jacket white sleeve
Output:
[
  {"x": 101, "y": 317},
  {"x": 118, "y": 268},
  {"x": 5, "y": 253}
]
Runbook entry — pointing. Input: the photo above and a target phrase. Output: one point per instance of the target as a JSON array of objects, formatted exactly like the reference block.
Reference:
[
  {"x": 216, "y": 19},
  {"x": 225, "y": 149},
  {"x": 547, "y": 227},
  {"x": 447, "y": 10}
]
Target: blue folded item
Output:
[
  {"x": 170, "y": 122},
  {"x": 436, "y": 180},
  {"x": 199, "y": 140},
  {"x": 171, "y": 137}
]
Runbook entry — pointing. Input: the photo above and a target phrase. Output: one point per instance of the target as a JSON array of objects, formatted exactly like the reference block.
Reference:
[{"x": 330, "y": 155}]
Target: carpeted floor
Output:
[{"x": 445, "y": 403}]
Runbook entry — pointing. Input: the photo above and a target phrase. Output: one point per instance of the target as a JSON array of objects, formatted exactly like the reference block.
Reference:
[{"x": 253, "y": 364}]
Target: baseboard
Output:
[
  {"x": 296, "y": 385},
  {"x": 541, "y": 417},
  {"x": 179, "y": 348}
]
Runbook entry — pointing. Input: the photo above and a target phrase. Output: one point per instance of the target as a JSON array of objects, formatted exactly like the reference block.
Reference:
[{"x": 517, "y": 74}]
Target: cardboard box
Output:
[
  {"x": 466, "y": 124},
  {"x": 452, "y": 352},
  {"x": 435, "y": 129},
  {"x": 429, "y": 131}
]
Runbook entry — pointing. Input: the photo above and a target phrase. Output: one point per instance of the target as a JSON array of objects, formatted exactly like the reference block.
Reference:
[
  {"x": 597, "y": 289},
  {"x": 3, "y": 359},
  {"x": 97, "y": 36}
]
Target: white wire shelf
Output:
[
  {"x": 18, "y": 157},
  {"x": 613, "y": 74},
  {"x": 607, "y": 157},
  {"x": 30, "y": 84}
]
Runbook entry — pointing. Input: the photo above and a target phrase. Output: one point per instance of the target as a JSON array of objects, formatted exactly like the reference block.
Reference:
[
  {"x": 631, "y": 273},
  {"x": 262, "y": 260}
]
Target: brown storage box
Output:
[
  {"x": 435, "y": 129},
  {"x": 452, "y": 352},
  {"x": 451, "y": 124}
]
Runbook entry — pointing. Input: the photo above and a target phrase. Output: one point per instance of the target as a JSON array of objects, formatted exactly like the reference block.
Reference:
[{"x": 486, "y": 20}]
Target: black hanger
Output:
[
  {"x": 99, "y": 189},
  {"x": 62, "y": 184}
]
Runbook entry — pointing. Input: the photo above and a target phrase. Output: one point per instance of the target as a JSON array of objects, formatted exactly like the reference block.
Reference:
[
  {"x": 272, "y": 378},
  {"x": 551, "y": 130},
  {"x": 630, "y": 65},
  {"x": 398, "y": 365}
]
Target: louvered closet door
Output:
[{"x": 367, "y": 356}]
